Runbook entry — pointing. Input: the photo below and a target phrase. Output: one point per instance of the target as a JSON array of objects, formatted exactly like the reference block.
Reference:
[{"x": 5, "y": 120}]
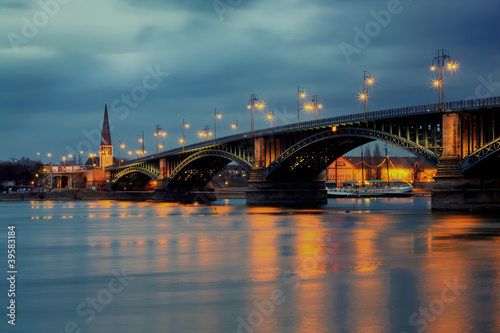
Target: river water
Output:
[{"x": 355, "y": 265}]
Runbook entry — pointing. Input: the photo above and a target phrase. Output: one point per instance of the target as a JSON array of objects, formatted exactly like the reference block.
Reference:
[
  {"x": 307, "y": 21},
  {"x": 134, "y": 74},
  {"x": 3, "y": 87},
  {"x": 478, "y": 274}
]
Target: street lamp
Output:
[
  {"x": 49, "y": 155},
  {"x": 441, "y": 61},
  {"x": 185, "y": 124},
  {"x": 158, "y": 132},
  {"x": 270, "y": 117},
  {"x": 92, "y": 156},
  {"x": 121, "y": 146},
  {"x": 217, "y": 115},
  {"x": 368, "y": 80},
  {"x": 300, "y": 94},
  {"x": 205, "y": 133},
  {"x": 64, "y": 160},
  {"x": 234, "y": 126},
  {"x": 313, "y": 105},
  {"x": 140, "y": 140},
  {"x": 252, "y": 104}
]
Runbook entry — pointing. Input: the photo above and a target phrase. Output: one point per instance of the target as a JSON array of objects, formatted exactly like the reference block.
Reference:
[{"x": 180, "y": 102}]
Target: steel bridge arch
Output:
[
  {"x": 490, "y": 149},
  {"x": 208, "y": 153},
  {"x": 349, "y": 132},
  {"x": 153, "y": 174}
]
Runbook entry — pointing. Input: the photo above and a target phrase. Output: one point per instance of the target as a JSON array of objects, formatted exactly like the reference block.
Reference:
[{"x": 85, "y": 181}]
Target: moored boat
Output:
[{"x": 367, "y": 191}]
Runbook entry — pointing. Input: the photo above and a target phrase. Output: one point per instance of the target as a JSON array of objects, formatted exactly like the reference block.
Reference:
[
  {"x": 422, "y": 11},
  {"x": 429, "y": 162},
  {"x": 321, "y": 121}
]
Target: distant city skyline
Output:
[{"x": 162, "y": 62}]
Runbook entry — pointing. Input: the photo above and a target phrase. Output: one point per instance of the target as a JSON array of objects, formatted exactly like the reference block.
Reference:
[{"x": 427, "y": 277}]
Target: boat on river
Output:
[{"x": 353, "y": 188}]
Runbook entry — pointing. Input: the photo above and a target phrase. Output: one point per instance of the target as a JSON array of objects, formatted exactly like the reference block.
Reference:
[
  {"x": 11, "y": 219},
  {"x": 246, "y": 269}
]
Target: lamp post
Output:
[
  {"x": 158, "y": 132},
  {"x": 49, "y": 155},
  {"x": 185, "y": 124},
  {"x": 270, "y": 117},
  {"x": 205, "y": 132},
  {"x": 92, "y": 156},
  {"x": 368, "y": 80},
  {"x": 140, "y": 142},
  {"x": 442, "y": 60},
  {"x": 300, "y": 94},
  {"x": 217, "y": 115},
  {"x": 314, "y": 104},
  {"x": 234, "y": 126},
  {"x": 121, "y": 146},
  {"x": 252, "y": 103}
]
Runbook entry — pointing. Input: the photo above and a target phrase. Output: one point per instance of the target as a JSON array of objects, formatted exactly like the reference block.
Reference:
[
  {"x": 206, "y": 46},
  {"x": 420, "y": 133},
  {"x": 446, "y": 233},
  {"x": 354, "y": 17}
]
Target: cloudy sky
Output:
[{"x": 157, "y": 62}]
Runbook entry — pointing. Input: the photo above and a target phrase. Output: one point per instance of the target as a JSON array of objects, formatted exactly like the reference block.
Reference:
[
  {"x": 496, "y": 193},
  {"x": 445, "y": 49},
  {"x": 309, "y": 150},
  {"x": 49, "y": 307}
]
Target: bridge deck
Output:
[{"x": 464, "y": 105}]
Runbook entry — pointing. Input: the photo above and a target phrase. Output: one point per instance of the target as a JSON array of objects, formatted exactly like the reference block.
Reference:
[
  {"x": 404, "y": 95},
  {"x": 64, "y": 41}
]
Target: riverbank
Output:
[{"x": 72, "y": 195}]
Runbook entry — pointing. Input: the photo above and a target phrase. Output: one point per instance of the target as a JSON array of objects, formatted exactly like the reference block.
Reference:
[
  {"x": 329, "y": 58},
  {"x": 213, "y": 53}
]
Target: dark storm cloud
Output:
[{"x": 215, "y": 57}]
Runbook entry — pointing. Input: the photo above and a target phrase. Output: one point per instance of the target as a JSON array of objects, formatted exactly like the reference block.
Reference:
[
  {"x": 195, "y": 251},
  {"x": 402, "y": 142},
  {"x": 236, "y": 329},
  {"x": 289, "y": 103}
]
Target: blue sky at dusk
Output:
[{"x": 159, "y": 62}]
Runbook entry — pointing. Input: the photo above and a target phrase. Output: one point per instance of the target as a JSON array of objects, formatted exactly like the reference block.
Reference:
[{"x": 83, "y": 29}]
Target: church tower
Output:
[{"x": 106, "y": 148}]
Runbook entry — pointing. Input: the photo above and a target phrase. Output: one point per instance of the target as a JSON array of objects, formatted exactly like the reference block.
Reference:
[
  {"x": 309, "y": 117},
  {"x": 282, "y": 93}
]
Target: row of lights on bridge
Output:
[{"x": 441, "y": 62}]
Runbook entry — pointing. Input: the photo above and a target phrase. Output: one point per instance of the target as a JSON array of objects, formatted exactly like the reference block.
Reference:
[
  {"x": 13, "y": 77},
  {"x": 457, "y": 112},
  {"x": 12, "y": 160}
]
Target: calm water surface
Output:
[{"x": 363, "y": 265}]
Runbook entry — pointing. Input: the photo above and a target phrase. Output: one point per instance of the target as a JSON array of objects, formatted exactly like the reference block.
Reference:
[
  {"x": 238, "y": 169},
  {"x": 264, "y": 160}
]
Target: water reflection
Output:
[{"x": 386, "y": 266}]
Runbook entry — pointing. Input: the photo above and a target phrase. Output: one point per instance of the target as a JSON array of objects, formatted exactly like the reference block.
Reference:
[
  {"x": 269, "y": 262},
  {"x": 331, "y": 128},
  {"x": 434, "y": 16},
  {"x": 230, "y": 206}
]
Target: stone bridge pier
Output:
[{"x": 454, "y": 190}]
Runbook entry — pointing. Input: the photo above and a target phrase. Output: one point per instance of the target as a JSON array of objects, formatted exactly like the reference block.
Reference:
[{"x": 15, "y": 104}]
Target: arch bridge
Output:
[{"x": 288, "y": 158}]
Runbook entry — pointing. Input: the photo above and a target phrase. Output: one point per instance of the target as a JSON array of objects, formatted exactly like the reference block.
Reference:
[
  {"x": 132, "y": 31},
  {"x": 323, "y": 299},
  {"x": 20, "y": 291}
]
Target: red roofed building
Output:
[{"x": 407, "y": 169}]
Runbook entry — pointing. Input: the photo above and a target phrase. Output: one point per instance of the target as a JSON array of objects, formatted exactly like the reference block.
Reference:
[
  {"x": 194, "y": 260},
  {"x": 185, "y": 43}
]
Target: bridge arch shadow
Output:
[
  {"x": 135, "y": 178},
  {"x": 307, "y": 158},
  {"x": 198, "y": 169}
]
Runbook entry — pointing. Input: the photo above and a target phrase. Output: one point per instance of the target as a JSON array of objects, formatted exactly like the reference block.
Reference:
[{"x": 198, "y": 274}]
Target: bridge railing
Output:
[{"x": 372, "y": 115}]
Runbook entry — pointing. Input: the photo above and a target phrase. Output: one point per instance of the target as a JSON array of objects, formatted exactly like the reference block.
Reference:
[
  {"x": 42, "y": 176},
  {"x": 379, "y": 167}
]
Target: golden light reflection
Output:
[
  {"x": 449, "y": 262},
  {"x": 369, "y": 300},
  {"x": 365, "y": 245},
  {"x": 263, "y": 244},
  {"x": 308, "y": 245}
]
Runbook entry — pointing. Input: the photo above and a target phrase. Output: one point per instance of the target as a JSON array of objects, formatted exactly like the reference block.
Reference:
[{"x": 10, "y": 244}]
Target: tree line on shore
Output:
[{"x": 22, "y": 171}]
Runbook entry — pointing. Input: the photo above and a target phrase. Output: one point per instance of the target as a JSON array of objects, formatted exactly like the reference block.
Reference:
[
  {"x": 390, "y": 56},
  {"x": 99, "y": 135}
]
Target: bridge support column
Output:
[
  {"x": 454, "y": 191},
  {"x": 281, "y": 192}
]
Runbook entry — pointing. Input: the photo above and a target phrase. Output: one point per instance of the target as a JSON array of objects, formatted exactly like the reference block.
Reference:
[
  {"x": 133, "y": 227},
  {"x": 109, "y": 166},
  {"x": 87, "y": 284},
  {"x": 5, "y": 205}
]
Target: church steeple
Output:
[
  {"x": 106, "y": 149},
  {"x": 105, "y": 134}
]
